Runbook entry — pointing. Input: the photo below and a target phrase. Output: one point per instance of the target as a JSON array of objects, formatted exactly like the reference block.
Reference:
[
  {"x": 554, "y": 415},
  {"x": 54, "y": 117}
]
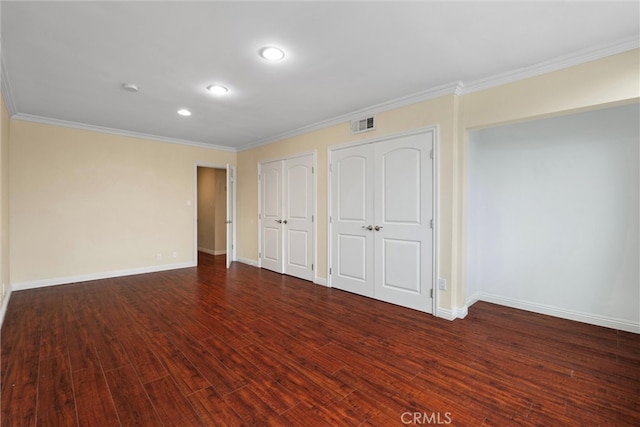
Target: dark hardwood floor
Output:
[{"x": 210, "y": 347}]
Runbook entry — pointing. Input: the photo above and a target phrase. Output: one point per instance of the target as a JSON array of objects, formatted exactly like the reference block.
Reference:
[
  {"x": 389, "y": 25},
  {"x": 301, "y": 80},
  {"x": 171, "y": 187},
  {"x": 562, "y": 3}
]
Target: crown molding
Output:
[
  {"x": 576, "y": 58},
  {"x": 5, "y": 86},
  {"x": 454, "y": 88},
  {"x": 460, "y": 88},
  {"x": 119, "y": 132}
]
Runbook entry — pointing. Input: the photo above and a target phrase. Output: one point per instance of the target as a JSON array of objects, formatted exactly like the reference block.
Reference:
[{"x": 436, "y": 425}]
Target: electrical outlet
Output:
[
  {"x": 159, "y": 256},
  {"x": 442, "y": 284}
]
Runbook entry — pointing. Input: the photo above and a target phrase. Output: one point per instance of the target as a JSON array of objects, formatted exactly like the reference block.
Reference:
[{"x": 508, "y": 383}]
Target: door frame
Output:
[
  {"x": 314, "y": 204},
  {"x": 435, "y": 197},
  {"x": 231, "y": 232}
]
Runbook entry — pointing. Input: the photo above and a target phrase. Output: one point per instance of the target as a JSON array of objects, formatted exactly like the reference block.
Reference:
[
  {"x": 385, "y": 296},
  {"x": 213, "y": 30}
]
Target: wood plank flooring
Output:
[{"x": 208, "y": 346}]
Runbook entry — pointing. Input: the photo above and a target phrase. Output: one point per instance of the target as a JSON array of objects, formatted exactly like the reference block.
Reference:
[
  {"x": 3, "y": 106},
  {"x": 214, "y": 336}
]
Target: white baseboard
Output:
[
  {"x": 456, "y": 313},
  {"x": 97, "y": 276},
  {"x": 5, "y": 304},
  {"x": 248, "y": 261},
  {"x": 211, "y": 251},
  {"x": 320, "y": 281},
  {"x": 472, "y": 299},
  {"x": 593, "y": 319}
]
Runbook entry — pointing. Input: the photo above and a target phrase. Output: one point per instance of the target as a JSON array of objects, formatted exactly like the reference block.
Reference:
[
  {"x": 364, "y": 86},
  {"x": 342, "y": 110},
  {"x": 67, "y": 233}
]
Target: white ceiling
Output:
[{"x": 66, "y": 61}]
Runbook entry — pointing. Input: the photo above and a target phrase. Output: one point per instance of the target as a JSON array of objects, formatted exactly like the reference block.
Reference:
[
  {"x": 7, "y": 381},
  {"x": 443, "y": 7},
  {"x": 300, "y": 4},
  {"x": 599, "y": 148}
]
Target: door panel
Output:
[
  {"x": 403, "y": 210},
  {"x": 298, "y": 211},
  {"x": 231, "y": 226},
  {"x": 271, "y": 209},
  {"x": 351, "y": 213},
  {"x": 401, "y": 193}
]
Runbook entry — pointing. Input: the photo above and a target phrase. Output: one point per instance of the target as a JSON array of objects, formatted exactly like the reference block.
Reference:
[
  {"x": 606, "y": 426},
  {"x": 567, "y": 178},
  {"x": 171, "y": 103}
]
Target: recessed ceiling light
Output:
[
  {"x": 184, "y": 112},
  {"x": 272, "y": 53},
  {"x": 130, "y": 87},
  {"x": 217, "y": 89}
]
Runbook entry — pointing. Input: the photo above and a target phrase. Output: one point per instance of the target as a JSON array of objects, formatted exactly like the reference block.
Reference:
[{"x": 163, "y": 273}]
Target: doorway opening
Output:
[{"x": 214, "y": 232}]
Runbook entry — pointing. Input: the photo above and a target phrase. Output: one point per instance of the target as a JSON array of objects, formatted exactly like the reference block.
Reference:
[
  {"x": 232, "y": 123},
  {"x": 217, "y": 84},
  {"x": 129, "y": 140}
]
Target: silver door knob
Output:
[
  {"x": 378, "y": 227},
  {"x": 368, "y": 227},
  {"x": 284, "y": 221}
]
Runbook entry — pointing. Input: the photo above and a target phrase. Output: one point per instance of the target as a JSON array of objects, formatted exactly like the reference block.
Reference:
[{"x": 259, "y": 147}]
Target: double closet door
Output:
[
  {"x": 381, "y": 220},
  {"x": 286, "y": 216}
]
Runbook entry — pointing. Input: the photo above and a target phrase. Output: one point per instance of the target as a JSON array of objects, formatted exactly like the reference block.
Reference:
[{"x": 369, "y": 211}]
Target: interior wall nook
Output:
[{"x": 553, "y": 212}]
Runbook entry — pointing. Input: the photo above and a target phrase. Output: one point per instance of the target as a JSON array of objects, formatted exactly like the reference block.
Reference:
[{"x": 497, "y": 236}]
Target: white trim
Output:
[
  {"x": 97, "y": 276},
  {"x": 314, "y": 202},
  {"x": 320, "y": 281},
  {"x": 5, "y": 304},
  {"x": 461, "y": 88},
  {"x": 472, "y": 299},
  {"x": 329, "y": 225},
  {"x": 454, "y": 88},
  {"x": 456, "y": 313},
  {"x": 593, "y": 319},
  {"x": 119, "y": 132},
  {"x": 560, "y": 63},
  {"x": 435, "y": 235},
  {"x": 5, "y": 86},
  {"x": 212, "y": 252},
  {"x": 232, "y": 187},
  {"x": 251, "y": 262},
  {"x": 436, "y": 92}
]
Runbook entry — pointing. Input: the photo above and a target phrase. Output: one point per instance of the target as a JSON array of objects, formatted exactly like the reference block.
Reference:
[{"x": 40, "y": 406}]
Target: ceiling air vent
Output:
[{"x": 362, "y": 125}]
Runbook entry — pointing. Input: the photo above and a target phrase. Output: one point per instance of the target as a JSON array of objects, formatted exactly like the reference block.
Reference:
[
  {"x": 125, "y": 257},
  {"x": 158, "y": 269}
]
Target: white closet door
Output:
[
  {"x": 403, "y": 211},
  {"x": 271, "y": 222},
  {"x": 298, "y": 217},
  {"x": 351, "y": 214}
]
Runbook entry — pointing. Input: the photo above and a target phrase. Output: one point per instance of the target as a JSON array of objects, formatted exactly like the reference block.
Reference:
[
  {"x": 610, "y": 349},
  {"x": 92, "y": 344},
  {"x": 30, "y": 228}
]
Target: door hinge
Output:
[
  {"x": 259, "y": 254},
  {"x": 231, "y": 246},
  {"x": 313, "y": 170},
  {"x": 259, "y": 216},
  {"x": 430, "y": 223},
  {"x": 431, "y": 293},
  {"x": 311, "y": 218},
  {"x": 311, "y": 267},
  {"x": 431, "y": 154},
  {"x": 329, "y": 271},
  {"x": 330, "y": 219}
]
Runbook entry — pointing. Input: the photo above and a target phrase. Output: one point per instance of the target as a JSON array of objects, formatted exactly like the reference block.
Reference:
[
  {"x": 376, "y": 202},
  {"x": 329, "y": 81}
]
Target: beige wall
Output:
[
  {"x": 87, "y": 203},
  {"x": 608, "y": 80},
  {"x": 438, "y": 111},
  {"x": 4, "y": 203}
]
